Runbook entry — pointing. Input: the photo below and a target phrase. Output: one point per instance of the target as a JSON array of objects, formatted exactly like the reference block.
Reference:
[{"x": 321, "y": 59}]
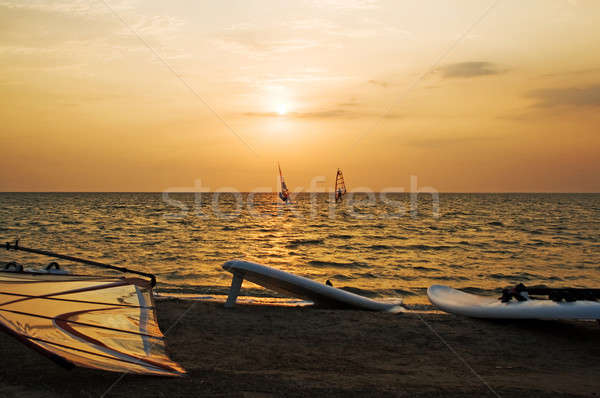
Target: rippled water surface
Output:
[{"x": 384, "y": 248}]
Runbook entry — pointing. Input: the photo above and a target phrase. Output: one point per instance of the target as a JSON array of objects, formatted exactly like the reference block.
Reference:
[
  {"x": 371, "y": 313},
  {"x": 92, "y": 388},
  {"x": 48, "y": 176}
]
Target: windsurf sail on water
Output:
[
  {"x": 106, "y": 323},
  {"x": 340, "y": 186},
  {"x": 285, "y": 193}
]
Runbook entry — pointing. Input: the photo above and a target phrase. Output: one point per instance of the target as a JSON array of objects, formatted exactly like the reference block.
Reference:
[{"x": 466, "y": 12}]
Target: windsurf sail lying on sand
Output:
[
  {"x": 106, "y": 323},
  {"x": 340, "y": 186},
  {"x": 101, "y": 323},
  {"x": 285, "y": 193}
]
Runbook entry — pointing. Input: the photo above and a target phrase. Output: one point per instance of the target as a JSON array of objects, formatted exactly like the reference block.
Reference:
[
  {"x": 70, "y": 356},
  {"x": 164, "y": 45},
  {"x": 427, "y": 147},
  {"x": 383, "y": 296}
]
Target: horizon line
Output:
[{"x": 310, "y": 192}]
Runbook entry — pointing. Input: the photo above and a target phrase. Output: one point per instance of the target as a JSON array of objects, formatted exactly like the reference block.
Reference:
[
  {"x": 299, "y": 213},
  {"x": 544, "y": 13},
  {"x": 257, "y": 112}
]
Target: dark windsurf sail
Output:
[{"x": 340, "y": 186}]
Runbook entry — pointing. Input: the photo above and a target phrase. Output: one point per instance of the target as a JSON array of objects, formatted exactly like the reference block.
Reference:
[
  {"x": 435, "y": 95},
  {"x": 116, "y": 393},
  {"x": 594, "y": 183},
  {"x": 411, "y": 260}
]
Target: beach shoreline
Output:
[{"x": 272, "y": 350}]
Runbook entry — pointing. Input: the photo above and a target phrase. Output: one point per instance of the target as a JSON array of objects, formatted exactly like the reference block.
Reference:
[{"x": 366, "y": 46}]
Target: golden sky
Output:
[{"x": 147, "y": 95}]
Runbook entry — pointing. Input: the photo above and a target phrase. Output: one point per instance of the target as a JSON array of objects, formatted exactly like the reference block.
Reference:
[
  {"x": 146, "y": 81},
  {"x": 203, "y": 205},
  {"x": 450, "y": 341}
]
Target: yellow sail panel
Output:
[{"x": 102, "y": 323}]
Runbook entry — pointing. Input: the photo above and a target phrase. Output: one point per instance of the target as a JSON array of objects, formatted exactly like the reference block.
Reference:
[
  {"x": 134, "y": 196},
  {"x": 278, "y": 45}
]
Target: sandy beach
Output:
[{"x": 264, "y": 351}]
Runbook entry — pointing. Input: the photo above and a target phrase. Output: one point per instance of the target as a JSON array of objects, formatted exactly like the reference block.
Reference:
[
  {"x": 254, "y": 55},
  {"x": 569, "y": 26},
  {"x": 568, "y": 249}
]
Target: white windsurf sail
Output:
[
  {"x": 285, "y": 193},
  {"x": 106, "y": 323}
]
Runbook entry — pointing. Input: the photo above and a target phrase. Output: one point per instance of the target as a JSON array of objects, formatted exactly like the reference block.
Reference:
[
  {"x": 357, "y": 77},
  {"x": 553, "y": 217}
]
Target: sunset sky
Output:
[{"x": 147, "y": 95}]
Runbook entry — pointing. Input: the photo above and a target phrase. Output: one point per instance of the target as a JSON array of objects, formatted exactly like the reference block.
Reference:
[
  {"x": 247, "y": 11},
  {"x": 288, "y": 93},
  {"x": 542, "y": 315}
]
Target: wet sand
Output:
[{"x": 264, "y": 351}]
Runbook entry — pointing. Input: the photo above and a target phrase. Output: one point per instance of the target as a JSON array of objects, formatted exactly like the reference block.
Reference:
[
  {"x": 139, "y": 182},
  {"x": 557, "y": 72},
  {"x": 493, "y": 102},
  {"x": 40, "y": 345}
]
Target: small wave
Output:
[
  {"x": 506, "y": 242},
  {"x": 199, "y": 290},
  {"x": 533, "y": 231},
  {"x": 408, "y": 277},
  {"x": 178, "y": 275},
  {"x": 449, "y": 278},
  {"x": 153, "y": 230},
  {"x": 333, "y": 264},
  {"x": 426, "y": 269},
  {"x": 397, "y": 237},
  {"x": 537, "y": 243},
  {"x": 496, "y": 223},
  {"x": 71, "y": 222},
  {"x": 361, "y": 292},
  {"x": 367, "y": 275},
  {"x": 456, "y": 213},
  {"x": 403, "y": 292},
  {"x": 380, "y": 247},
  {"x": 340, "y": 277},
  {"x": 426, "y": 247},
  {"x": 301, "y": 242},
  {"x": 340, "y": 236},
  {"x": 513, "y": 277}
]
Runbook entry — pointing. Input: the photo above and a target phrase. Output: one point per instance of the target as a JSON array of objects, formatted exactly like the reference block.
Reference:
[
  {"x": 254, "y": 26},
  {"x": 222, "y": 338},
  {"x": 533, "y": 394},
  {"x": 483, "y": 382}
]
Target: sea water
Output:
[{"x": 385, "y": 246}]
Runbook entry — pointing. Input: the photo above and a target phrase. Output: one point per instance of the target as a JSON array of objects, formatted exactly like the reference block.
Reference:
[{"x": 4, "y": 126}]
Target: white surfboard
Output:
[
  {"x": 476, "y": 306},
  {"x": 298, "y": 287}
]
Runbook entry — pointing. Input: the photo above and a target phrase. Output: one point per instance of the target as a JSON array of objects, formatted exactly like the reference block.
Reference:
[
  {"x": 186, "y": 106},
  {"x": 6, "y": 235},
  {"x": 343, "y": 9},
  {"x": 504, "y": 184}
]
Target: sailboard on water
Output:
[
  {"x": 285, "y": 193},
  {"x": 99, "y": 322},
  {"x": 340, "y": 186}
]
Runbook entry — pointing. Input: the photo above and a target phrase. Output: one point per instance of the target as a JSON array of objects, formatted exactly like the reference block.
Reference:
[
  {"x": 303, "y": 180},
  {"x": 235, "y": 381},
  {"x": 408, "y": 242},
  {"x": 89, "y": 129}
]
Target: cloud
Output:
[
  {"x": 470, "y": 69},
  {"x": 379, "y": 83},
  {"x": 282, "y": 36},
  {"x": 70, "y": 7},
  {"x": 327, "y": 114},
  {"x": 445, "y": 141},
  {"x": 77, "y": 34},
  {"x": 576, "y": 72},
  {"x": 338, "y": 113},
  {"x": 351, "y": 102},
  {"x": 570, "y": 96},
  {"x": 347, "y": 4},
  {"x": 267, "y": 81},
  {"x": 249, "y": 38}
]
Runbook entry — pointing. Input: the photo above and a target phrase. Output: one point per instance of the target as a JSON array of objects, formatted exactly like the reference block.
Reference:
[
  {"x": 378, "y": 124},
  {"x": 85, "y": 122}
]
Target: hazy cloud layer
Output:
[
  {"x": 470, "y": 69},
  {"x": 325, "y": 114},
  {"x": 70, "y": 7},
  {"x": 379, "y": 83},
  {"x": 440, "y": 142},
  {"x": 347, "y": 4},
  {"x": 571, "y": 96}
]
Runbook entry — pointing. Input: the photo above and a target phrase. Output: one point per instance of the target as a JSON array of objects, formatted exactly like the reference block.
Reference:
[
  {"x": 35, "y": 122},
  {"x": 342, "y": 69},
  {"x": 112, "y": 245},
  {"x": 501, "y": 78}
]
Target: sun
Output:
[{"x": 282, "y": 109}]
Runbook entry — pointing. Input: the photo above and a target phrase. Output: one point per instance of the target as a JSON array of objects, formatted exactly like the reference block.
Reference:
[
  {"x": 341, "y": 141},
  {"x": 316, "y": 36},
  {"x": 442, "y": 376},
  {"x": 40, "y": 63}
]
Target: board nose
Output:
[{"x": 227, "y": 266}]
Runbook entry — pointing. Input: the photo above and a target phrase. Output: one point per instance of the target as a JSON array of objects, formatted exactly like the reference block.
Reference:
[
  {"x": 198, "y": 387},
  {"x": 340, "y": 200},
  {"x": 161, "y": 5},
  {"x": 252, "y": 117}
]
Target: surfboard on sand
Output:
[
  {"x": 299, "y": 287},
  {"x": 477, "y": 306}
]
